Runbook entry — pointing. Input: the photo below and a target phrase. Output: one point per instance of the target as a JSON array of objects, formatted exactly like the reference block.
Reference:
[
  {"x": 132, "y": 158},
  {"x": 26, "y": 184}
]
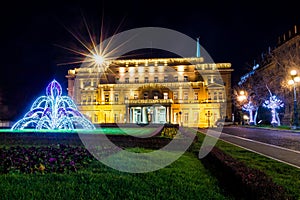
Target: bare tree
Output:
[{"x": 274, "y": 70}]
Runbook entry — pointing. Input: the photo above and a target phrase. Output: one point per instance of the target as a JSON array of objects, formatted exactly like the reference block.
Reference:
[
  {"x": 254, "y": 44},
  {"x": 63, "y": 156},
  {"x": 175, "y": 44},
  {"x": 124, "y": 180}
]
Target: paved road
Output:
[
  {"x": 283, "y": 146},
  {"x": 283, "y": 138}
]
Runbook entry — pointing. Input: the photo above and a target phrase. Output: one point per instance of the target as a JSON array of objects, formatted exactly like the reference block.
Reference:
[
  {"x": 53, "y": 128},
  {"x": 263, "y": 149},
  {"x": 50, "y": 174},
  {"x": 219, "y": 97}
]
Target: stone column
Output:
[
  {"x": 111, "y": 95},
  {"x": 168, "y": 114},
  {"x": 102, "y": 95},
  {"x": 180, "y": 93}
]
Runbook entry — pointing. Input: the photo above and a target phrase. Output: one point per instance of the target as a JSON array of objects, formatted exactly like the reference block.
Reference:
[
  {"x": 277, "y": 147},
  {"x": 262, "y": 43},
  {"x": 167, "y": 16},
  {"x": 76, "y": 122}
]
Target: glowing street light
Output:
[
  {"x": 295, "y": 79},
  {"x": 242, "y": 97}
]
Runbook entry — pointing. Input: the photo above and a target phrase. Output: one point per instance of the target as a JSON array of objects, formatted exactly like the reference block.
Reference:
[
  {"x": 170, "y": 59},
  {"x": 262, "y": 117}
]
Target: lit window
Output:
[
  {"x": 83, "y": 98},
  {"x": 155, "y": 79},
  {"x": 196, "y": 96},
  {"x": 106, "y": 98},
  {"x": 145, "y": 95},
  {"x": 116, "y": 97},
  {"x": 165, "y": 95},
  {"x": 116, "y": 118},
  {"x": 186, "y": 96},
  {"x": 146, "y": 80},
  {"x": 175, "y": 95},
  {"x": 196, "y": 116},
  {"x": 126, "y": 80},
  {"x": 95, "y": 118},
  {"x": 136, "y": 79},
  {"x": 185, "y": 78},
  {"x": 186, "y": 117},
  {"x": 220, "y": 95},
  {"x": 122, "y": 70},
  {"x": 180, "y": 68}
]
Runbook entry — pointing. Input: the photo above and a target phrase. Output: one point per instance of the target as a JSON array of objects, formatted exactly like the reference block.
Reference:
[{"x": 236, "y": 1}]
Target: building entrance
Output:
[{"x": 148, "y": 114}]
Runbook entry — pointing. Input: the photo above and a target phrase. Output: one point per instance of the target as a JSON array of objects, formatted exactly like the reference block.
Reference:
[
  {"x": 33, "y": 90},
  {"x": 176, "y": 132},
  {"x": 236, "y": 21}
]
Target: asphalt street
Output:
[{"x": 281, "y": 145}]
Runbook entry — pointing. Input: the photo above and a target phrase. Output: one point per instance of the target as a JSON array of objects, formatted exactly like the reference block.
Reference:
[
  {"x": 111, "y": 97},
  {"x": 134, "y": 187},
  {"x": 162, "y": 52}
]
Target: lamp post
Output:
[
  {"x": 208, "y": 115},
  {"x": 242, "y": 98},
  {"x": 295, "y": 79},
  {"x": 180, "y": 122}
]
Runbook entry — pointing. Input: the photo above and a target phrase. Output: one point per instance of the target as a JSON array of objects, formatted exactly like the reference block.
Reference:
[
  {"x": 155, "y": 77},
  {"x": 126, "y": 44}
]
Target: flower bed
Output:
[
  {"x": 241, "y": 181},
  {"x": 45, "y": 159}
]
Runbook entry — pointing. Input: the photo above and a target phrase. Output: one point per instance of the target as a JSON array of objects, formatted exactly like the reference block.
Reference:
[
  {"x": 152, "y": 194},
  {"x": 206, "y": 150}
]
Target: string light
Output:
[{"x": 53, "y": 112}]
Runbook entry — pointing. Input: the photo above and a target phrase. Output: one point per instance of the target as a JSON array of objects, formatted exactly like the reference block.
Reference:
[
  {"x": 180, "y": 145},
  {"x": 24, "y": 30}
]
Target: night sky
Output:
[{"x": 235, "y": 32}]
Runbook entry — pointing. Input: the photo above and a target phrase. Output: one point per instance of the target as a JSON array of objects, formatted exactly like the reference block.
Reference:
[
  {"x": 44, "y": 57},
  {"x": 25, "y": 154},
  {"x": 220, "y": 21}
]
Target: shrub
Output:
[
  {"x": 169, "y": 132},
  {"x": 241, "y": 181}
]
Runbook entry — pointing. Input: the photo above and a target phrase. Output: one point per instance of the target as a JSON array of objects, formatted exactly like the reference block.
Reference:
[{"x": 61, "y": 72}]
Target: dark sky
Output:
[{"x": 235, "y": 32}]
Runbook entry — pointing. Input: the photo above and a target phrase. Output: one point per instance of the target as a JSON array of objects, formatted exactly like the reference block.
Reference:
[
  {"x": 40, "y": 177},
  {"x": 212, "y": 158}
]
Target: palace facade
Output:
[{"x": 184, "y": 91}]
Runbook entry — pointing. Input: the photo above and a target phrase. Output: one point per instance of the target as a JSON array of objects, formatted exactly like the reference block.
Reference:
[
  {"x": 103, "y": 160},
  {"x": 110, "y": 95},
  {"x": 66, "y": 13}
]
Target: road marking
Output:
[{"x": 253, "y": 141}]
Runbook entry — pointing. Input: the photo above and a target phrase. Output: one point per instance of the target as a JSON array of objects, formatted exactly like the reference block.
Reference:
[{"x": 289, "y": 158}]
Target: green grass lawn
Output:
[
  {"x": 186, "y": 178},
  {"x": 281, "y": 173},
  {"x": 106, "y": 130}
]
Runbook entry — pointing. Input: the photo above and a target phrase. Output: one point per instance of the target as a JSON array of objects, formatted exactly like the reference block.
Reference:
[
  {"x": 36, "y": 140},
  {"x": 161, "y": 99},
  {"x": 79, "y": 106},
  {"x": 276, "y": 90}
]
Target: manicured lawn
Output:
[
  {"x": 106, "y": 130},
  {"x": 186, "y": 178},
  {"x": 281, "y": 173}
]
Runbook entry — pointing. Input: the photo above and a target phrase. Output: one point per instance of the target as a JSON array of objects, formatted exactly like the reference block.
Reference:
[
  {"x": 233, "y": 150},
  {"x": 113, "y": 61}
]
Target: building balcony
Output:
[{"x": 149, "y": 101}]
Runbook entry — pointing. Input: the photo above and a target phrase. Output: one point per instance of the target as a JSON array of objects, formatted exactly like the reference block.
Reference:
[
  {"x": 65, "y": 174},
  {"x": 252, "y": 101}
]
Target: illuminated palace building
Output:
[{"x": 184, "y": 91}]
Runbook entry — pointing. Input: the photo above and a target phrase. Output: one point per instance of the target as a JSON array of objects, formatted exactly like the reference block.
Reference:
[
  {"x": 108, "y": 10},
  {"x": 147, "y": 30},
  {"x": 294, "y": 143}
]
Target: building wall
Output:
[{"x": 189, "y": 91}]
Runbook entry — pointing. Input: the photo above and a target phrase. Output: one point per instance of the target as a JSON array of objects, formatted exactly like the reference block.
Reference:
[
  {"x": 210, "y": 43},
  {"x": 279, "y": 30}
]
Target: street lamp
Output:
[
  {"x": 295, "y": 79},
  {"x": 241, "y": 99},
  {"x": 208, "y": 115}
]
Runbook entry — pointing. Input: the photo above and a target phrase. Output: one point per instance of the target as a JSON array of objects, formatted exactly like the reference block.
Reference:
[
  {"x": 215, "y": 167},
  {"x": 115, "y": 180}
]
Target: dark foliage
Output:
[
  {"x": 241, "y": 181},
  {"x": 44, "y": 159}
]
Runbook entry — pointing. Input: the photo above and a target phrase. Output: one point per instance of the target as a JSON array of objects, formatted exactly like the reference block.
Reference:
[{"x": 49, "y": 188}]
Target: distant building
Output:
[
  {"x": 184, "y": 91},
  {"x": 5, "y": 113},
  {"x": 273, "y": 68}
]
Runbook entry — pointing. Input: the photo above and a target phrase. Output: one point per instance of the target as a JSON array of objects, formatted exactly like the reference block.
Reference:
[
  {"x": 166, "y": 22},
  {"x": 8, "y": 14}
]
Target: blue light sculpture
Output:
[{"x": 53, "y": 112}]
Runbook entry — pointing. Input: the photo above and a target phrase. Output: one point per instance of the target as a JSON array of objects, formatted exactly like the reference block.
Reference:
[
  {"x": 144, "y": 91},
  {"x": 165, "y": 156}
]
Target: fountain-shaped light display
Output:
[{"x": 53, "y": 112}]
